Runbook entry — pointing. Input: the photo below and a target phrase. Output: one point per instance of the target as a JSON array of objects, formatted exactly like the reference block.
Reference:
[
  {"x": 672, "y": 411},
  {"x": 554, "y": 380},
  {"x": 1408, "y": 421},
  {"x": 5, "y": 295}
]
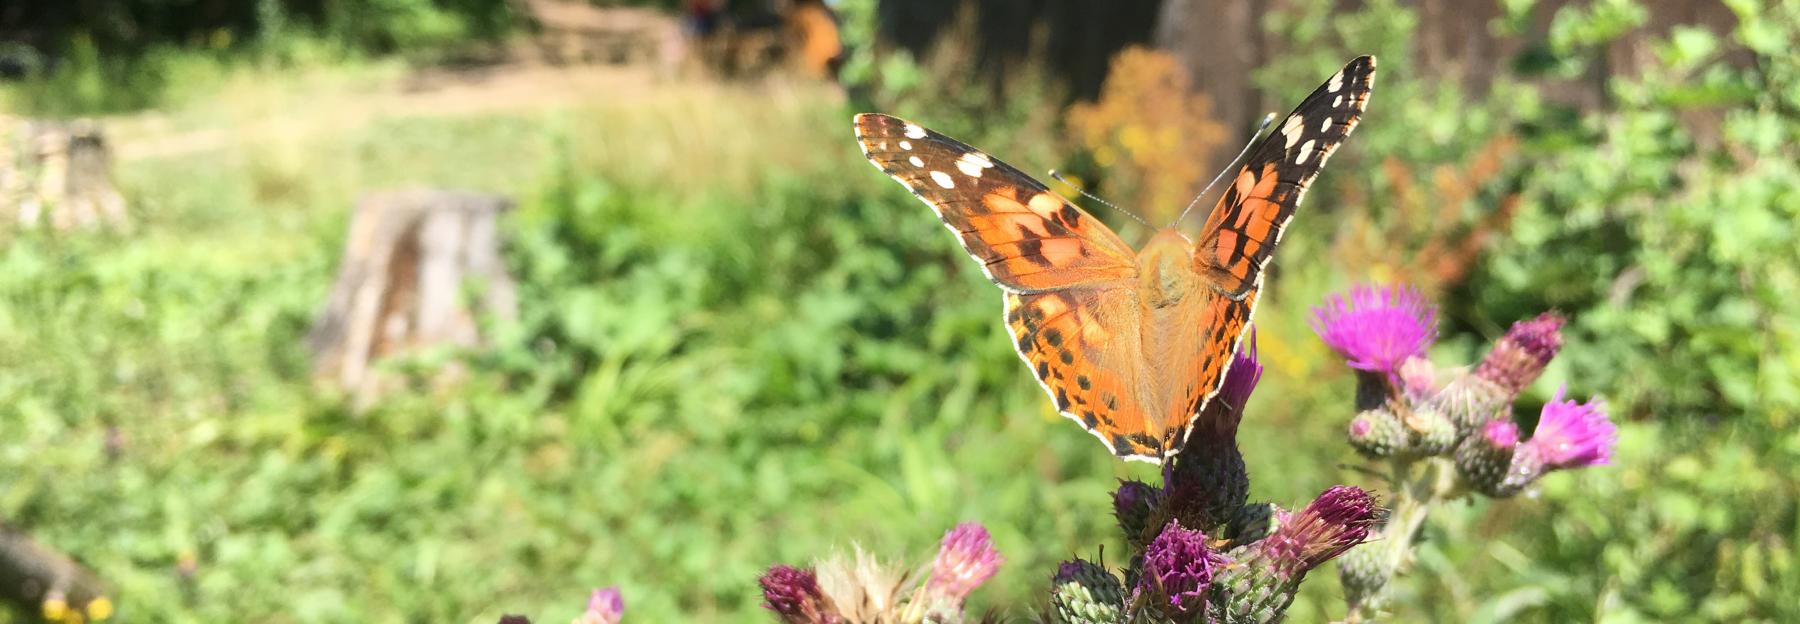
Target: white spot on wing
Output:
[
  {"x": 972, "y": 163},
  {"x": 1305, "y": 150},
  {"x": 906, "y": 145},
  {"x": 1291, "y": 130},
  {"x": 915, "y": 161},
  {"x": 1326, "y": 125},
  {"x": 1337, "y": 101},
  {"x": 915, "y": 132},
  {"x": 943, "y": 179},
  {"x": 1337, "y": 82}
]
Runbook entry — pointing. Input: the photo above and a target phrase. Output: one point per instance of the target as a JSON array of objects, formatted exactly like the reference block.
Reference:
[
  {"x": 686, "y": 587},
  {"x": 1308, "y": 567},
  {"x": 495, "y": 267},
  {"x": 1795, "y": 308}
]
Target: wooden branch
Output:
[{"x": 41, "y": 582}]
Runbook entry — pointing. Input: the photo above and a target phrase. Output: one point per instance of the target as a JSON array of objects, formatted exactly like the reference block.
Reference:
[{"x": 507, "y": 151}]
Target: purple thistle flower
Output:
[
  {"x": 1572, "y": 435},
  {"x": 605, "y": 606},
  {"x": 966, "y": 558},
  {"x": 1178, "y": 567},
  {"x": 1241, "y": 378},
  {"x": 1521, "y": 355},
  {"x": 1377, "y": 328},
  {"x": 1218, "y": 421},
  {"x": 793, "y": 593},
  {"x": 1500, "y": 434},
  {"x": 1339, "y": 519}
]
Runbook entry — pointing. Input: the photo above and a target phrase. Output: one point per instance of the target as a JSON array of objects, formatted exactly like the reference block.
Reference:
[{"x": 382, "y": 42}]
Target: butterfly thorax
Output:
[{"x": 1165, "y": 269}]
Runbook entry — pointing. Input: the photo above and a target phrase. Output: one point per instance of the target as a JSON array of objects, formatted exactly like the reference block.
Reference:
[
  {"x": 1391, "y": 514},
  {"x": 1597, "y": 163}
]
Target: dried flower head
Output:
[
  {"x": 966, "y": 558},
  {"x": 1377, "y": 328},
  {"x": 861, "y": 588}
]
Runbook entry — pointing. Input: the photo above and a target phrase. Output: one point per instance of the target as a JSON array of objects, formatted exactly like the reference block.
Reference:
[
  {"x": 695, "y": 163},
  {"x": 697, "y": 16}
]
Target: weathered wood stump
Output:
[
  {"x": 58, "y": 173},
  {"x": 401, "y": 286},
  {"x": 41, "y": 582}
]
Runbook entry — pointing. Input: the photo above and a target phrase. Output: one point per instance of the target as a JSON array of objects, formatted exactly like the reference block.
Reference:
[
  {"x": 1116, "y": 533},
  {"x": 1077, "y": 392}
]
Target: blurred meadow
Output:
[{"x": 737, "y": 344}]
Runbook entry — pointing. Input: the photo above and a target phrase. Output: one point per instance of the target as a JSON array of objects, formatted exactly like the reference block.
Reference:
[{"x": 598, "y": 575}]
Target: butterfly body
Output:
[
  {"x": 1131, "y": 344},
  {"x": 1166, "y": 273}
]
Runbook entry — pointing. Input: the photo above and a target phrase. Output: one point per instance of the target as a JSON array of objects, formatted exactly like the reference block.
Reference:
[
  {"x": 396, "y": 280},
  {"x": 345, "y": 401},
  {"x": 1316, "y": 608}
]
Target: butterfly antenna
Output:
[
  {"x": 1059, "y": 178},
  {"x": 1266, "y": 120}
]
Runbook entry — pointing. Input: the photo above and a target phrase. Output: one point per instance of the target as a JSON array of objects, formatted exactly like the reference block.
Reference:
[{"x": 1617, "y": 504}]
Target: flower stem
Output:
[{"x": 1418, "y": 484}]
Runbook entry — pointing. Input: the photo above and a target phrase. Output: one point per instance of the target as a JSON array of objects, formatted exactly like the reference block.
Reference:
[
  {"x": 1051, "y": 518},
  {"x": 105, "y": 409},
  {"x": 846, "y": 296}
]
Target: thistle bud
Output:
[
  {"x": 1365, "y": 572},
  {"x": 1205, "y": 484},
  {"x": 1485, "y": 460},
  {"x": 1132, "y": 504},
  {"x": 1083, "y": 592},
  {"x": 1431, "y": 431},
  {"x": 1378, "y": 433},
  {"x": 1251, "y": 524}
]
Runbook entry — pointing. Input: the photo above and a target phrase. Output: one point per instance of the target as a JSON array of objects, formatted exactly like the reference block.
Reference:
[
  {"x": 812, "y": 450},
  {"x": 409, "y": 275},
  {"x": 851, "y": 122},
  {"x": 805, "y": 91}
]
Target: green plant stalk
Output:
[{"x": 1419, "y": 484}]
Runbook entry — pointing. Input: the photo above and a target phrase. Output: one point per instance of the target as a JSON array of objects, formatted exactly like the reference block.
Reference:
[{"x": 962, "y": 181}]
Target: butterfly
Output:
[{"x": 1130, "y": 344}]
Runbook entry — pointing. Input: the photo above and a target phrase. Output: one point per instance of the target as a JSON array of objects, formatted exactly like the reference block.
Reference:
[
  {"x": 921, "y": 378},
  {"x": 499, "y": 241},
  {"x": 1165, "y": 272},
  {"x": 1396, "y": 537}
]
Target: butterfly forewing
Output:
[
  {"x": 1027, "y": 238},
  {"x": 1240, "y": 235}
]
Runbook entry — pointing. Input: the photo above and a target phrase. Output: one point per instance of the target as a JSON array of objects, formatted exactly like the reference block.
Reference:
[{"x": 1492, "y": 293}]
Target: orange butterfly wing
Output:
[
  {"x": 1239, "y": 237},
  {"x": 1085, "y": 349},
  {"x": 1240, "y": 234},
  {"x": 1070, "y": 303},
  {"x": 1026, "y": 238}
]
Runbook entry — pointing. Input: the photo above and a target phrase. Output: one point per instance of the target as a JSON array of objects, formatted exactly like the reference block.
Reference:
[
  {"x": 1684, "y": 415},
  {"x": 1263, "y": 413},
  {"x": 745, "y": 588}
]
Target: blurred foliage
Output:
[
  {"x": 1149, "y": 133},
  {"x": 1661, "y": 223},
  {"x": 88, "y": 58}
]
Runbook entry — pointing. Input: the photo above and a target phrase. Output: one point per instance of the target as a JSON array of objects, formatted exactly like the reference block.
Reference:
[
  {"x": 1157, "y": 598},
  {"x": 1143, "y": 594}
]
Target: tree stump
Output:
[
  {"x": 401, "y": 286},
  {"x": 41, "y": 582},
  {"x": 59, "y": 173}
]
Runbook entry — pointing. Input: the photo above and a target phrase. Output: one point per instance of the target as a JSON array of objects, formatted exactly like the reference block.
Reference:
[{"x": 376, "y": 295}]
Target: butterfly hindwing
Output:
[
  {"x": 1026, "y": 238},
  {"x": 1240, "y": 235},
  {"x": 1084, "y": 348}
]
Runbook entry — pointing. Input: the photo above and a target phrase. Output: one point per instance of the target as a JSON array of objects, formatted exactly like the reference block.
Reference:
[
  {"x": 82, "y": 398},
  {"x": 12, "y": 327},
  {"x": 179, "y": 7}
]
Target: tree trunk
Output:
[
  {"x": 57, "y": 172},
  {"x": 409, "y": 256}
]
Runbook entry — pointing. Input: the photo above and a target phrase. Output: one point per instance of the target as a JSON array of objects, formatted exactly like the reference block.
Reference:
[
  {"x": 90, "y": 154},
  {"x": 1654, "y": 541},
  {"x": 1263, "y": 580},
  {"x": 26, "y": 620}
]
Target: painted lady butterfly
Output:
[{"x": 1131, "y": 345}]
